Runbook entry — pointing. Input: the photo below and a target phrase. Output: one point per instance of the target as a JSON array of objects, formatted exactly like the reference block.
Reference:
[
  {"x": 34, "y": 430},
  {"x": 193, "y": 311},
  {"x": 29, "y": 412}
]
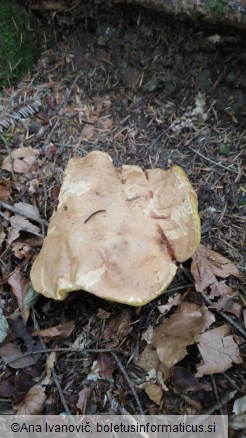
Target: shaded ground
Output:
[{"x": 153, "y": 92}]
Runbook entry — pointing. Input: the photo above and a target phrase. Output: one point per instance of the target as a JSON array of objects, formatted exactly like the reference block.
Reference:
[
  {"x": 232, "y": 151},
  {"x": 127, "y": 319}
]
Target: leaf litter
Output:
[{"x": 171, "y": 347}]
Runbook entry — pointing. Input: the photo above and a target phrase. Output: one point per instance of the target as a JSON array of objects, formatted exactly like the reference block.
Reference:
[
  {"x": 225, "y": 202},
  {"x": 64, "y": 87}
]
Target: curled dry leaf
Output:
[
  {"x": 33, "y": 402},
  {"x": 206, "y": 265},
  {"x": 218, "y": 349},
  {"x": 20, "y": 286},
  {"x": 58, "y": 332},
  {"x": 173, "y": 335},
  {"x": 20, "y": 160}
]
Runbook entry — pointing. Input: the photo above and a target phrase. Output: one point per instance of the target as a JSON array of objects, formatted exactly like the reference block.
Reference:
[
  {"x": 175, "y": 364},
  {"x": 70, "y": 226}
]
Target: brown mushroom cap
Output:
[{"x": 117, "y": 232}]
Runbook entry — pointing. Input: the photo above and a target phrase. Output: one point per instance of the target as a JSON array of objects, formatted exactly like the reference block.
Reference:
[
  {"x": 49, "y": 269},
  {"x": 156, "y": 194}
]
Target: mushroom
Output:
[{"x": 117, "y": 232}]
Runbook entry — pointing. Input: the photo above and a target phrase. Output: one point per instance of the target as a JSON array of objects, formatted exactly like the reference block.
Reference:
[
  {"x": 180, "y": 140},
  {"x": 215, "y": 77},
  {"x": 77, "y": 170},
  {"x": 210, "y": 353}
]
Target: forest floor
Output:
[{"x": 153, "y": 92}]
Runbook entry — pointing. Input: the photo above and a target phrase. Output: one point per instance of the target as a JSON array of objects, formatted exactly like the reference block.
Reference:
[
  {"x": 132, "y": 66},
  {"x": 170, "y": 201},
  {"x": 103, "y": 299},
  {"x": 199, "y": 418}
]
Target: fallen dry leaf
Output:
[
  {"x": 20, "y": 160},
  {"x": 20, "y": 223},
  {"x": 149, "y": 359},
  {"x": 173, "y": 335},
  {"x": 226, "y": 303},
  {"x": 33, "y": 402},
  {"x": 4, "y": 193},
  {"x": 184, "y": 381},
  {"x": 174, "y": 300},
  {"x": 58, "y": 332},
  {"x": 218, "y": 349},
  {"x": 103, "y": 314},
  {"x": 118, "y": 328},
  {"x": 219, "y": 289},
  {"x": 11, "y": 351},
  {"x": 13, "y": 234},
  {"x": 28, "y": 209},
  {"x": 20, "y": 286},
  {"x": 84, "y": 394},
  {"x": 206, "y": 265},
  {"x": 154, "y": 392}
]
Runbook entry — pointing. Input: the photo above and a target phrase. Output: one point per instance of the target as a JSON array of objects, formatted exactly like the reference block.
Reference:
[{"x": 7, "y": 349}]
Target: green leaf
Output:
[
  {"x": 4, "y": 327},
  {"x": 30, "y": 299}
]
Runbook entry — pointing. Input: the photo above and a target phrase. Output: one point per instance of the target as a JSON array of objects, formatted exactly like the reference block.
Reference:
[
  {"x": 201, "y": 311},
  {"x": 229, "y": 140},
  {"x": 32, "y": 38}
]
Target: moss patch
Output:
[
  {"x": 217, "y": 10},
  {"x": 17, "y": 47}
]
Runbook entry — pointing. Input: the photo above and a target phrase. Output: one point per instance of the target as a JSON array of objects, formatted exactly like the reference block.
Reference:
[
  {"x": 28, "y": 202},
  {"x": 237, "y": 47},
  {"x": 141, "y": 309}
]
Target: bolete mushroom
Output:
[{"x": 117, "y": 232}]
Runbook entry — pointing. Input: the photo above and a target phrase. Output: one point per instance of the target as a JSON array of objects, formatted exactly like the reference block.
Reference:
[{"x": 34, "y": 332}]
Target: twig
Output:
[
  {"x": 216, "y": 393},
  {"x": 56, "y": 111},
  {"x": 212, "y": 161},
  {"x": 60, "y": 350},
  {"x": 53, "y": 371},
  {"x": 23, "y": 213},
  {"x": 233, "y": 384},
  {"x": 225, "y": 316},
  {"x": 156, "y": 139},
  {"x": 122, "y": 369},
  {"x": 219, "y": 405}
]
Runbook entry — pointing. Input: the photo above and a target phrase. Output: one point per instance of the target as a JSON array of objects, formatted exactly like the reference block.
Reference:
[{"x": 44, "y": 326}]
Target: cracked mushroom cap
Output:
[{"x": 117, "y": 232}]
